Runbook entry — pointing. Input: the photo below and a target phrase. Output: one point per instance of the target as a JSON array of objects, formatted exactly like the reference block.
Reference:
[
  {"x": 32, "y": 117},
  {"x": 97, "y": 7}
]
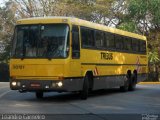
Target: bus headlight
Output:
[
  {"x": 14, "y": 83},
  {"x": 60, "y": 84}
]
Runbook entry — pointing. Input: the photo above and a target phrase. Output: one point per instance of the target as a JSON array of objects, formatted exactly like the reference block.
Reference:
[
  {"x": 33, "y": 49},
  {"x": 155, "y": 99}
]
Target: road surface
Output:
[{"x": 101, "y": 105}]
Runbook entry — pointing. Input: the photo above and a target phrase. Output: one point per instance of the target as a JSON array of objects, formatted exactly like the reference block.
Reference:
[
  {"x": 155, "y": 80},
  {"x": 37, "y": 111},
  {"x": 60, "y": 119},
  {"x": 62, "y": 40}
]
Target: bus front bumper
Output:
[{"x": 47, "y": 85}]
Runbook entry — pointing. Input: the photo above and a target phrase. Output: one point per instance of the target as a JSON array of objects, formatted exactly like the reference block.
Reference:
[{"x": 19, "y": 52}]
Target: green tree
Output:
[
  {"x": 128, "y": 26},
  {"x": 7, "y": 19},
  {"x": 153, "y": 57},
  {"x": 92, "y": 10},
  {"x": 146, "y": 15}
]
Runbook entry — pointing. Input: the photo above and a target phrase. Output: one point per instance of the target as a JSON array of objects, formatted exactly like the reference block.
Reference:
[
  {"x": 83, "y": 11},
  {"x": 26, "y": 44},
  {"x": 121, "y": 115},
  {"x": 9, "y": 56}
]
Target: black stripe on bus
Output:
[{"x": 104, "y": 64}]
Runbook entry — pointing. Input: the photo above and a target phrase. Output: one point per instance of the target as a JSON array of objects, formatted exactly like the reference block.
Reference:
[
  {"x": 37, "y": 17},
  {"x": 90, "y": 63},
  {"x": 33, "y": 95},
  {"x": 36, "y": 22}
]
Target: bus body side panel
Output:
[
  {"x": 112, "y": 72},
  {"x": 108, "y": 82}
]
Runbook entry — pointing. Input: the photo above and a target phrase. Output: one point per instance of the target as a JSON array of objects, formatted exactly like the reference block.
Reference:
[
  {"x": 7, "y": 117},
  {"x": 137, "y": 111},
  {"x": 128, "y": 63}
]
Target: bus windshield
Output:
[{"x": 41, "y": 41}]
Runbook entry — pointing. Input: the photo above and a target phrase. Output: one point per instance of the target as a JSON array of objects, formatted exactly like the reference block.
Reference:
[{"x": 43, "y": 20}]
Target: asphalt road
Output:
[{"x": 101, "y": 105}]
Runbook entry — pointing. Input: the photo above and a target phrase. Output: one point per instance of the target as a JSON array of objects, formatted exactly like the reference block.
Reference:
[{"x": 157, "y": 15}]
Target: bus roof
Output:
[{"x": 80, "y": 22}]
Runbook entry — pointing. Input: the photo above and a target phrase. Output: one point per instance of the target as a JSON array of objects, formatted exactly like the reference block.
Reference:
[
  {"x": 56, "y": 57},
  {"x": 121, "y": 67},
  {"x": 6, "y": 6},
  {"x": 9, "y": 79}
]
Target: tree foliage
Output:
[
  {"x": 153, "y": 57},
  {"x": 146, "y": 14},
  {"x": 7, "y": 19},
  {"x": 92, "y": 10}
]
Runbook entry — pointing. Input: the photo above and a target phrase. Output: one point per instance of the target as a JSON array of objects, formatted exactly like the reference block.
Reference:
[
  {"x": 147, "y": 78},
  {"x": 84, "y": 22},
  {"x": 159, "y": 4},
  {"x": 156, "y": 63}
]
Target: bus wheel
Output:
[
  {"x": 39, "y": 94},
  {"x": 125, "y": 87},
  {"x": 133, "y": 82},
  {"x": 85, "y": 90}
]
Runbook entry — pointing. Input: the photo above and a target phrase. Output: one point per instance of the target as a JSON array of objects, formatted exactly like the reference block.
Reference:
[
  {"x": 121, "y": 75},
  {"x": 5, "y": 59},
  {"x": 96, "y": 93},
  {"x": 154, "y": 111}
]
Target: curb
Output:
[{"x": 147, "y": 83}]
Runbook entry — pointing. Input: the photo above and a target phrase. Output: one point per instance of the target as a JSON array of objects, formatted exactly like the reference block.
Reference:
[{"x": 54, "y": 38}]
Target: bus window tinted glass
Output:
[
  {"x": 109, "y": 41},
  {"x": 53, "y": 42},
  {"x": 87, "y": 37},
  {"x": 128, "y": 44},
  {"x": 41, "y": 41},
  {"x": 75, "y": 42},
  {"x": 99, "y": 39},
  {"x": 135, "y": 45},
  {"x": 119, "y": 42},
  {"x": 143, "y": 46}
]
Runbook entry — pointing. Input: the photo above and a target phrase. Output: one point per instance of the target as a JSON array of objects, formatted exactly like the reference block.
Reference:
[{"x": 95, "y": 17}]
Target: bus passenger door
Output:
[{"x": 75, "y": 62}]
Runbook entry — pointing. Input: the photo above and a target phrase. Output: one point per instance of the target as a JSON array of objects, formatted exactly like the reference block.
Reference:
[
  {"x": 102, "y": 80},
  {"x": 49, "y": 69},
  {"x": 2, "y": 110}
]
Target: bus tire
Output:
[
  {"x": 132, "y": 85},
  {"x": 125, "y": 87},
  {"x": 85, "y": 90},
  {"x": 39, "y": 94}
]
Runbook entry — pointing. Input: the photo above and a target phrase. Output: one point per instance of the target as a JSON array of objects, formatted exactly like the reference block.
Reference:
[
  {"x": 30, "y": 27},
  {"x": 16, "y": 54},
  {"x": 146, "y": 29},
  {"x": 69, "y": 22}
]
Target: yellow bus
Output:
[{"x": 66, "y": 54}]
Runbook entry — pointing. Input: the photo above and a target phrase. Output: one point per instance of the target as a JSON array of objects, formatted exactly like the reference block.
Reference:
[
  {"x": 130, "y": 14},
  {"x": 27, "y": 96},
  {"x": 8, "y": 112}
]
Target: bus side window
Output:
[
  {"x": 128, "y": 44},
  {"x": 75, "y": 43},
  {"x": 135, "y": 45},
  {"x": 119, "y": 41},
  {"x": 99, "y": 39},
  {"x": 143, "y": 47},
  {"x": 87, "y": 36},
  {"x": 110, "y": 41}
]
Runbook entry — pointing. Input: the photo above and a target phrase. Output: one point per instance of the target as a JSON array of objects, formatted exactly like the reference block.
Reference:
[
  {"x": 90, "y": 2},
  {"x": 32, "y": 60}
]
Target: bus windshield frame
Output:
[{"x": 41, "y": 41}]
